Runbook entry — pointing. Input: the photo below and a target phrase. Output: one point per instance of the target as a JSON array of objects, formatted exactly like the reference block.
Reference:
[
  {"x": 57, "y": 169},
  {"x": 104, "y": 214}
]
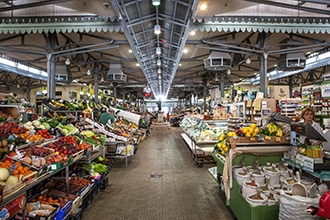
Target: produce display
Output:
[
  {"x": 12, "y": 173},
  {"x": 200, "y": 131},
  {"x": 71, "y": 106},
  {"x": 35, "y": 157},
  {"x": 34, "y": 209},
  {"x": 63, "y": 148},
  {"x": 246, "y": 131},
  {"x": 4, "y": 116},
  {"x": 30, "y": 149},
  {"x": 249, "y": 134},
  {"x": 272, "y": 130}
]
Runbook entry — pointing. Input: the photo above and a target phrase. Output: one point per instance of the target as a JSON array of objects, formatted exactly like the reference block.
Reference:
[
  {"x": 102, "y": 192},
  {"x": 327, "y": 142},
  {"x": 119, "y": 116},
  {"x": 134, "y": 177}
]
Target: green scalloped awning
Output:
[
  {"x": 263, "y": 24},
  {"x": 59, "y": 24}
]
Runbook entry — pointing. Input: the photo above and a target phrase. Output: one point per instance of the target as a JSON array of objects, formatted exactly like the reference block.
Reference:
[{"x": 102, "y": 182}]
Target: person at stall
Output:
[
  {"x": 308, "y": 116},
  {"x": 106, "y": 116}
]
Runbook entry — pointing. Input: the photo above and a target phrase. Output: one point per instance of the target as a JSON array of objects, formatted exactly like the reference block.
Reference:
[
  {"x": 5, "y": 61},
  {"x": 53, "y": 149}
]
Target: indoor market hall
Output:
[{"x": 161, "y": 181}]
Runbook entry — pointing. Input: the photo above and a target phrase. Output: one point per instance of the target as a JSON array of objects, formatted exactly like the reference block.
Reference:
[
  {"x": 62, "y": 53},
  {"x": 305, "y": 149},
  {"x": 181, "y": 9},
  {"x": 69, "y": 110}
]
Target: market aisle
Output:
[{"x": 161, "y": 182}]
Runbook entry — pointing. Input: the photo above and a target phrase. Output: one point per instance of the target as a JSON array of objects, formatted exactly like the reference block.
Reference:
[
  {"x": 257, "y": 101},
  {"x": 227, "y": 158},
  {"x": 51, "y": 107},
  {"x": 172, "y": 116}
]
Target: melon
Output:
[{"x": 4, "y": 174}]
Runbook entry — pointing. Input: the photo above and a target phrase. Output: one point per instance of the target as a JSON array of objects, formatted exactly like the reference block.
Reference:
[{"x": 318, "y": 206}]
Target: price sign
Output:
[
  {"x": 89, "y": 127},
  {"x": 12, "y": 168},
  {"x": 111, "y": 140},
  {"x": 90, "y": 121},
  {"x": 308, "y": 164}
]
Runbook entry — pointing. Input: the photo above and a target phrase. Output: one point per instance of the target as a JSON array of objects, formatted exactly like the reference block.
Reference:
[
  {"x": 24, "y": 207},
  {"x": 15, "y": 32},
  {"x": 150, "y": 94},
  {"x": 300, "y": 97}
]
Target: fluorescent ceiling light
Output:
[
  {"x": 158, "y": 51},
  {"x": 155, "y": 2},
  {"x": 157, "y": 29}
]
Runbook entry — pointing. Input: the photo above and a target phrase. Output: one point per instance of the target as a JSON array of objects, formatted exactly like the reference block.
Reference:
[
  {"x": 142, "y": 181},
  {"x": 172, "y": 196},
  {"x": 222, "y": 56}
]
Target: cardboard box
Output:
[
  {"x": 13, "y": 207},
  {"x": 269, "y": 103},
  {"x": 279, "y": 92}
]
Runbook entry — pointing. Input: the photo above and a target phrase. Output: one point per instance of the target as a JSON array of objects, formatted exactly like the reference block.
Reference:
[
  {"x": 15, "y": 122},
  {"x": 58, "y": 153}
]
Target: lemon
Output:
[
  {"x": 253, "y": 125},
  {"x": 222, "y": 137},
  {"x": 231, "y": 133},
  {"x": 247, "y": 134},
  {"x": 256, "y": 130},
  {"x": 245, "y": 129}
]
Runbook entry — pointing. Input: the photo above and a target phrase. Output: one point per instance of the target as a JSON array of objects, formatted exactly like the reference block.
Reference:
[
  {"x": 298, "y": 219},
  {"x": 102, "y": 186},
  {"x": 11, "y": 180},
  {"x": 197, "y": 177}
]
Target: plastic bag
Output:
[{"x": 294, "y": 207}]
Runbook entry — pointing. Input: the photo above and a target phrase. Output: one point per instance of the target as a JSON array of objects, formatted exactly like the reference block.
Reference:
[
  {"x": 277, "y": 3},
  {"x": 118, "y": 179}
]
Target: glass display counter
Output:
[{"x": 201, "y": 136}]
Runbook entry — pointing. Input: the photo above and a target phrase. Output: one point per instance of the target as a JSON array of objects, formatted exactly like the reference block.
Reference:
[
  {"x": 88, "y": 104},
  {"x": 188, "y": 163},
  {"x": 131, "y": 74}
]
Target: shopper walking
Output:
[{"x": 147, "y": 120}]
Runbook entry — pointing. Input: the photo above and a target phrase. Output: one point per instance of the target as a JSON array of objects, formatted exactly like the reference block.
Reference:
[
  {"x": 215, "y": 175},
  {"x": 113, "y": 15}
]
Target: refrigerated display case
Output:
[{"x": 201, "y": 136}]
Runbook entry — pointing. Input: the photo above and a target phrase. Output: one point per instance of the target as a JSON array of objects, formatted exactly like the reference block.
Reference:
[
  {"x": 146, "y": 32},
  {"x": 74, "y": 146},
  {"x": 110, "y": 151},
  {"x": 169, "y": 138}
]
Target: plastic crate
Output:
[
  {"x": 49, "y": 217},
  {"x": 76, "y": 216},
  {"x": 64, "y": 212},
  {"x": 89, "y": 197},
  {"x": 104, "y": 183},
  {"x": 70, "y": 207}
]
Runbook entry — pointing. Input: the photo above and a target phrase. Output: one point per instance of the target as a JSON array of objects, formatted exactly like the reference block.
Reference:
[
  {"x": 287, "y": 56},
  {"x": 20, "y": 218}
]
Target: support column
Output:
[
  {"x": 124, "y": 97},
  {"x": 222, "y": 85},
  {"x": 96, "y": 87},
  {"x": 204, "y": 94},
  {"x": 263, "y": 74},
  {"x": 290, "y": 86},
  {"x": 51, "y": 82},
  {"x": 115, "y": 94},
  {"x": 263, "y": 64},
  {"x": 28, "y": 91},
  {"x": 232, "y": 93}
]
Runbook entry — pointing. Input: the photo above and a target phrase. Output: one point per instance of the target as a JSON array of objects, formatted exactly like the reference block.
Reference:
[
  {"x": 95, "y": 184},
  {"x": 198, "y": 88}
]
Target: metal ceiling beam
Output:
[
  {"x": 284, "y": 5},
  {"x": 31, "y": 5},
  {"x": 323, "y": 2}
]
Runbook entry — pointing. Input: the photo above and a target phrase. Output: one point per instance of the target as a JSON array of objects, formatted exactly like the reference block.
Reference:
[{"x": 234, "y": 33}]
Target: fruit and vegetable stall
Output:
[
  {"x": 259, "y": 167},
  {"x": 53, "y": 167}
]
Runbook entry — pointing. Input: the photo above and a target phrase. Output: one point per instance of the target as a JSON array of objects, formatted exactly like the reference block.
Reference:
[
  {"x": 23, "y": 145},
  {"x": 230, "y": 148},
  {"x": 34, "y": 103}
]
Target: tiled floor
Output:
[{"x": 161, "y": 182}]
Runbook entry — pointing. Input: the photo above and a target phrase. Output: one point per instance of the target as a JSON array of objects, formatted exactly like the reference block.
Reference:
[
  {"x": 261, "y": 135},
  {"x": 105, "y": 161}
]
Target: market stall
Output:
[
  {"x": 54, "y": 166},
  {"x": 200, "y": 136},
  {"x": 262, "y": 174}
]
